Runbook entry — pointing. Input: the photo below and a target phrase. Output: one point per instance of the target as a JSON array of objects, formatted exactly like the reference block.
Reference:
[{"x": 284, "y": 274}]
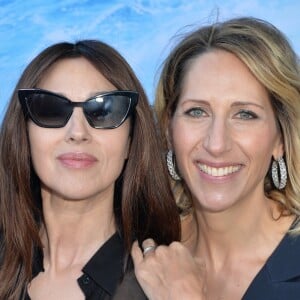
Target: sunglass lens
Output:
[
  {"x": 108, "y": 111},
  {"x": 49, "y": 110}
]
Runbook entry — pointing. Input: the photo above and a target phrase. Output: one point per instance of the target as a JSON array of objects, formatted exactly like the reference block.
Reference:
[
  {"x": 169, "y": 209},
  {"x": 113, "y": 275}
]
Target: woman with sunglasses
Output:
[
  {"x": 80, "y": 177},
  {"x": 228, "y": 102}
]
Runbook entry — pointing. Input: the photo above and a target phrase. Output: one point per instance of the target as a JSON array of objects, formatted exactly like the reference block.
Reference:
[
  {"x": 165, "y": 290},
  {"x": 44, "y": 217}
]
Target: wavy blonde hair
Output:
[{"x": 269, "y": 56}]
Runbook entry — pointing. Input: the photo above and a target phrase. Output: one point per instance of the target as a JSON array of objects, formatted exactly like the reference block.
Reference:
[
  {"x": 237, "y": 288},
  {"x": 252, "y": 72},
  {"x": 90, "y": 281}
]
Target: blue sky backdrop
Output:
[{"x": 141, "y": 30}]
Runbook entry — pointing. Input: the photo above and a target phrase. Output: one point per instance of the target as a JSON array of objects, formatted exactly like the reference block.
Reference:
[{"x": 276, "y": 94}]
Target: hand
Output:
[{"x": 168, "y": 272}]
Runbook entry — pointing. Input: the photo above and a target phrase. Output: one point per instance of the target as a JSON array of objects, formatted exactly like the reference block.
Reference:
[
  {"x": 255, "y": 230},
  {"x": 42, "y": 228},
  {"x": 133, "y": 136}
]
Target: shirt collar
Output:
[{"x": 106, "y": 266}]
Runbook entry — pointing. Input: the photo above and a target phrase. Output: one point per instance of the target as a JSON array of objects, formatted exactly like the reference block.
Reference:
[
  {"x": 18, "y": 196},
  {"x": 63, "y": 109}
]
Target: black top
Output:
[
  {"x": 101, "y": 274},
  {"x": 279, "y": 278}
]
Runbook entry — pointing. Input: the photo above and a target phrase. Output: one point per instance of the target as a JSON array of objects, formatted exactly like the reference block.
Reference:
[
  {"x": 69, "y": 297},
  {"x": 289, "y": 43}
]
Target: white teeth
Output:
[{"x": 218, "y": 172}]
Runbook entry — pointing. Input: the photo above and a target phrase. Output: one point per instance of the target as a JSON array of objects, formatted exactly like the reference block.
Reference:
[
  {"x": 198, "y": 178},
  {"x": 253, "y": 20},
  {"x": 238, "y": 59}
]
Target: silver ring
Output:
[{"x": 149, "y": 249}]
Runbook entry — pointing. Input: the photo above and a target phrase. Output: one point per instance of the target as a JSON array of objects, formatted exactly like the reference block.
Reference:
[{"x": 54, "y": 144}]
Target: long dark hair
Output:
[{"x": 143, "y": 203}]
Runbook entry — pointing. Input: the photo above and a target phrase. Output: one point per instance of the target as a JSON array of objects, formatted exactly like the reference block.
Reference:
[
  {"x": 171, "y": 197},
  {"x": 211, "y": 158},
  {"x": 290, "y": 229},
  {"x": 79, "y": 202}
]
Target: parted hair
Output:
[
  {"x": 270, "y": 57},
  {"x": 143, "y": 204}
]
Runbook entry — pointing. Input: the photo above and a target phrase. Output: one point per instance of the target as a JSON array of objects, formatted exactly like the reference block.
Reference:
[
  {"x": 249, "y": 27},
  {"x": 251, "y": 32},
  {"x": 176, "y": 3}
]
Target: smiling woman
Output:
[
  {"x": 230, "y": 111},
  {"x": 80, "y": 177},
  {"x": 228, "y": 102}
]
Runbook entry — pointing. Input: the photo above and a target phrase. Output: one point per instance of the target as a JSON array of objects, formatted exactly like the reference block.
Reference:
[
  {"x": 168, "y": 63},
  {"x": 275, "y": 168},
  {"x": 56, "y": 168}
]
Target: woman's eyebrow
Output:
[{"x": 247, "y": 103}]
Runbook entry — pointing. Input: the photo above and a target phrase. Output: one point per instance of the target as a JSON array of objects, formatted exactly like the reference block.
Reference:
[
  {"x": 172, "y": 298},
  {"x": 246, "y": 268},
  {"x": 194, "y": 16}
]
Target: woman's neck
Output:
[
  {"x": 220, "y": 237},
  {"x": 74, "y": 230}
]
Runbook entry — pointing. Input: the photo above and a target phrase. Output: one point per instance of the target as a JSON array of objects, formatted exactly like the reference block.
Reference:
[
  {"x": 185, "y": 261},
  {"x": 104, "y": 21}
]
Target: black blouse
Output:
[
  {"x": 101, "y": 274},
  {"x": 279, "y": 278}
]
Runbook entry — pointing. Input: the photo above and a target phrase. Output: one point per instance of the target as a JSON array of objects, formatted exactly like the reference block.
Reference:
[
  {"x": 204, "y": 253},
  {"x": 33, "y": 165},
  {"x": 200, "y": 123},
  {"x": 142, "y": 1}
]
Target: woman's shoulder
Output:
[
  {"x": 280, "y": 276},
  {"x": 284, "y": 264}
]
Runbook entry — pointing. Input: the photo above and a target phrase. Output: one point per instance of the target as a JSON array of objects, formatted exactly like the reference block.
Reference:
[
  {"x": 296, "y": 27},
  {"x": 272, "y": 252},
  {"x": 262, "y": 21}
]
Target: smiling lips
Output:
[
  {"x": 219, "y": 172},
  {"x": 77, "y": 160}
]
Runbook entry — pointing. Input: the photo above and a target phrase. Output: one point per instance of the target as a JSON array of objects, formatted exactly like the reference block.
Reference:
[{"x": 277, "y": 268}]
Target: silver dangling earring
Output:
[
  {"x": 171, "y": 166},
  {"x": 279, "y": 184}
]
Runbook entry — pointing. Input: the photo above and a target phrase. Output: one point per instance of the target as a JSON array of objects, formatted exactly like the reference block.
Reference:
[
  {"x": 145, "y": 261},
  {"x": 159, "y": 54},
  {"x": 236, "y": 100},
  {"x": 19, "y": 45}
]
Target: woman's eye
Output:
[
  {"x": 195, "y": 112},
  {"x": 246, "y": 115}
]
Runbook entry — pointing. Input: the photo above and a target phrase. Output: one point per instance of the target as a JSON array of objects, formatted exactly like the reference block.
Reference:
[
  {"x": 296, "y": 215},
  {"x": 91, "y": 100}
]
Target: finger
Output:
[
  {"x": 136, "y": 253},
  {"x": 148, "y": 243},
  {"x": 148, "y": 246},
  {"x": 148, "y": 250}
]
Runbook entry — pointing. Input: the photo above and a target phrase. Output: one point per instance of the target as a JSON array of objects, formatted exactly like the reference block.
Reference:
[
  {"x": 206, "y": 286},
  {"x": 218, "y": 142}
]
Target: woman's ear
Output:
[{"x": 278, "y": 148}]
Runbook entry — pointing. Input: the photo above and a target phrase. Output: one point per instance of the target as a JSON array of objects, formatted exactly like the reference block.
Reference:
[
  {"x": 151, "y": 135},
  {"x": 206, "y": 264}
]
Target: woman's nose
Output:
[
  {"x": 218, "y": 137},
  {"x": 78, "y": 129}
]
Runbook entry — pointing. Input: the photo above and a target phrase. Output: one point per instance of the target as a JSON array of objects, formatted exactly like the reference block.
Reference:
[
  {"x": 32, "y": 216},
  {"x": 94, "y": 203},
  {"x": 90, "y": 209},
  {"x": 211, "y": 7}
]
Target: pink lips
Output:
[{"x": 77, "y": 160}]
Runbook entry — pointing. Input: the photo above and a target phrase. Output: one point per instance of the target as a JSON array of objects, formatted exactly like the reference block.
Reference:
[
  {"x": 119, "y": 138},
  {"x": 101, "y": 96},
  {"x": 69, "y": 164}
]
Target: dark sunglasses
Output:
[{"x": 105, "y": 110}]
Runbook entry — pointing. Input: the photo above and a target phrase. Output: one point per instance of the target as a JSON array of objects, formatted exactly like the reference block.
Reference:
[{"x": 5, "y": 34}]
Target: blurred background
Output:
[{"x": 143, "y": 31}]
